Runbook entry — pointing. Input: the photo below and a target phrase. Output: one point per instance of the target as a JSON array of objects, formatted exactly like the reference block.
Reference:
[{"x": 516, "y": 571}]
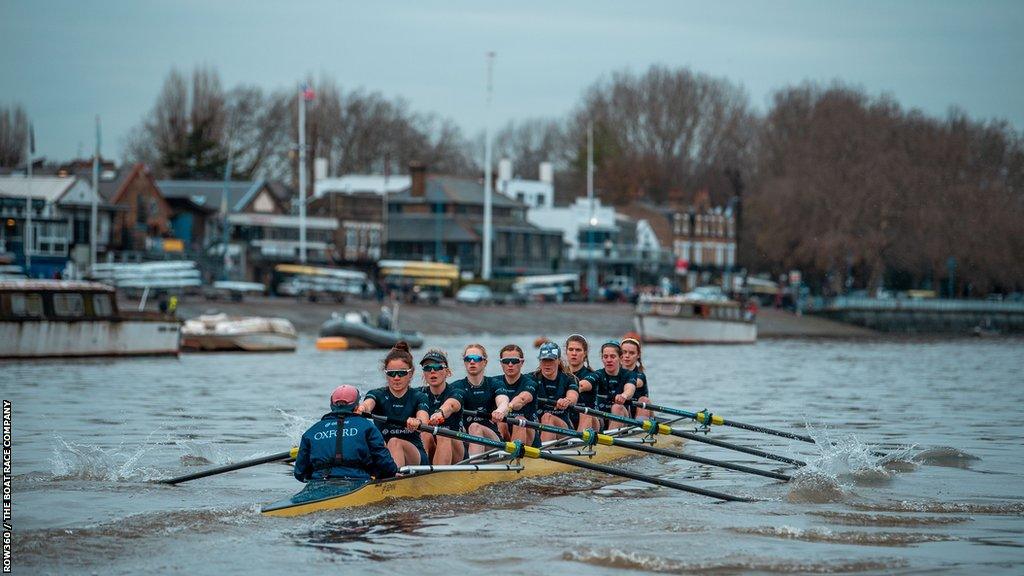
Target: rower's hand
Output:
[
  {"x": 437, "y": 419},
  {"x": 562, "y": 404},
  {"x": 498, "y": 416},
  {"x": 358, "y": 409},
  {"x": 412, "y": 424},
  {"x": 620, "y": 399}
]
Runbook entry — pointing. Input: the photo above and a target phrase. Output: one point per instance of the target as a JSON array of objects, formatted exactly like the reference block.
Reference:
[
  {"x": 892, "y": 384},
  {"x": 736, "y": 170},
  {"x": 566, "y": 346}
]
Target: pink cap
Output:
[{"x": 344, "y": 395}]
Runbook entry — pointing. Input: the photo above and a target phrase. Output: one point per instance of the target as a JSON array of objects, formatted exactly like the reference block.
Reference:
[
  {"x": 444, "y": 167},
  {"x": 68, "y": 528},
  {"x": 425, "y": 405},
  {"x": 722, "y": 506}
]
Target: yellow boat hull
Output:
[{"x": 451, "y": 483}]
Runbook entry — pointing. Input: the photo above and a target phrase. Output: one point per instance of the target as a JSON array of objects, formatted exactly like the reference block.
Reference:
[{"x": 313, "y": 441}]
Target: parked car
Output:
[
  {"x": 475, "y": 294},
  {"x": 510, "y": 298},
  {"x": 427, "y": 294}
]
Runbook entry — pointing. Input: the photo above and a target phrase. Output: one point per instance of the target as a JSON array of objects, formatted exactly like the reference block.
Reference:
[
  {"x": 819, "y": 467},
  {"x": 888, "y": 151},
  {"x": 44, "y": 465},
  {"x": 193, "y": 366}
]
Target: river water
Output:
[{"x": 90, "y": 436}]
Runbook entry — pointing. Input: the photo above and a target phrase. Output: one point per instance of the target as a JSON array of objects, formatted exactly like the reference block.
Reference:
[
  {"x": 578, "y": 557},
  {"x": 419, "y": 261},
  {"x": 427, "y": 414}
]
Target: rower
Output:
[
  {"x": 342, "y": 445},
  {"x": 632, "y": 361},
  {"x": 520, "y": 390},
  {"x": 577, "y": 352},
  {"x": 399, "y": 403},
  {"x": 444, "y": 406},
  {"x": 480, "y": 396},
  {"x": 614, "y": 384},
  {"x": 555, "y": 384}
]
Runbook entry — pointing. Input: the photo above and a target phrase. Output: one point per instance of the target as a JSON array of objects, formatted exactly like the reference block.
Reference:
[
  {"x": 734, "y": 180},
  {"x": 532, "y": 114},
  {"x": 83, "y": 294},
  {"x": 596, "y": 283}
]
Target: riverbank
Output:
[{"x": 449, "y": 317}]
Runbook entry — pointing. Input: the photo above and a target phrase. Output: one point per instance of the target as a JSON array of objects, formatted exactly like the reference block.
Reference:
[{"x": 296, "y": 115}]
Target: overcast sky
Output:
[{"x": 67, "y": 61}]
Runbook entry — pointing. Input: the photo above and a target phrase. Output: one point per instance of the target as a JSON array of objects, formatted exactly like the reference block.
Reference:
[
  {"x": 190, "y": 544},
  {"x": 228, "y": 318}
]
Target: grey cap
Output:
[{"x": 549, "y": 351}]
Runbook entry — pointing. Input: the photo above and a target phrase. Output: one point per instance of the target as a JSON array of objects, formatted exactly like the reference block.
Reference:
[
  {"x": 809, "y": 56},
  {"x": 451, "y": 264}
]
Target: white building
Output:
[
  {"x": 581, "y": 222},
  {"x": 533, "y": 193}
]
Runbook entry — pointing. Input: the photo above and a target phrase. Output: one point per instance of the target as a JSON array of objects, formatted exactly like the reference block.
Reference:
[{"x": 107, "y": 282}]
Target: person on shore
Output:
[
  {"x": 614, "y": 384},
  {"x": 521, "y": 391},
  {"x": 399, "y": 403},
  {"x": 632, "y": 361},
  {"x": 481, "y": 396},
  {"x": 342, "y": 445},
  {"x": 555, "y": 384},
  {"x": 577, "y": 352},
  {"x": 444, "y": 404}
]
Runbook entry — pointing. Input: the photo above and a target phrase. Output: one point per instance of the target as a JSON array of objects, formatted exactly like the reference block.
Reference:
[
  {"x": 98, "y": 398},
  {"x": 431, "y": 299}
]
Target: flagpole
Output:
[
  {"x": 27, "y": 236},
  {"x": 302, "y": 174},
  {"x": 488, "y": 228},
  {"x": 95, "y": 198}
]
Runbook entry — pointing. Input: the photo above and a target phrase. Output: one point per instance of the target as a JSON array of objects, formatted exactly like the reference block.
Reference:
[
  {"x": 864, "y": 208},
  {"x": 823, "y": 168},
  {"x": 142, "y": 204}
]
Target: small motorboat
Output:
[
  {"x": 220, "y": 332},
  {"x": 354, "y": 332}
]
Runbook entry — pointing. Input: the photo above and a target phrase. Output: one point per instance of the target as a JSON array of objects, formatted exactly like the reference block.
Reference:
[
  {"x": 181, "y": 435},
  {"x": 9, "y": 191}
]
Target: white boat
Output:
[
  {"x": 55, "y": 318},
  {"x": 220, "y": 332},
  {"x": 683, "y": 320}
]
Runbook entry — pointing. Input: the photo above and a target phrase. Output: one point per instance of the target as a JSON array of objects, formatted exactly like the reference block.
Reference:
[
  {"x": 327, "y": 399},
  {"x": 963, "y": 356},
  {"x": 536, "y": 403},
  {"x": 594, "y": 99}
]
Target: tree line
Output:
[{"x": 850, "y": 188}]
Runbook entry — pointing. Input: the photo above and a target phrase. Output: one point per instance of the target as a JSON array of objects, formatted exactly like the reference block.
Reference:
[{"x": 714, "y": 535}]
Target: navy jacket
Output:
[{"x": 363, "y": 452}]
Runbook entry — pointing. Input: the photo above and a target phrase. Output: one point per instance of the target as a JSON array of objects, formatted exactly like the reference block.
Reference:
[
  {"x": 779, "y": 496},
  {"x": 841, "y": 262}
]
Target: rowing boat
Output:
[{"x": 467, "y": 476}]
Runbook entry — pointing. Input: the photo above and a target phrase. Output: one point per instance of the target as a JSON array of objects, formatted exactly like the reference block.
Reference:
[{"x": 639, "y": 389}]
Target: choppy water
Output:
[{"x": 91, "y": 435}]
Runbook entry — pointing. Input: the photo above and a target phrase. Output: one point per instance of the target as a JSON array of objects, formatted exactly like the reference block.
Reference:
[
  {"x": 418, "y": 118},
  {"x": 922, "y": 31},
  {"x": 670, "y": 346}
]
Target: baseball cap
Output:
[
  {"x": 344, "y": 395},
  {"x": 434, "y": 356},
  {"x": 549, "y": 351}
]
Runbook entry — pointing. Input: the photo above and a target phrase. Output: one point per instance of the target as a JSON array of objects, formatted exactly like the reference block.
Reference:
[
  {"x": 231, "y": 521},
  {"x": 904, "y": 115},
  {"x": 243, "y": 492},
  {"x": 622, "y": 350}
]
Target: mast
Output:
[{"x": 488, "y": 228}]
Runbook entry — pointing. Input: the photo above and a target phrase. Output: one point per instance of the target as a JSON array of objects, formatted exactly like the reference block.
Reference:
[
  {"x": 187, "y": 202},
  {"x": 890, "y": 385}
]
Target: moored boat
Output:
[
  {"x": 471, "y": 475},
  {"x": 359, "y": 334},
  {"x": 682, "y": 320},
  {"x": 57, "y": 318},
  {"x": 220, "y": 332}
]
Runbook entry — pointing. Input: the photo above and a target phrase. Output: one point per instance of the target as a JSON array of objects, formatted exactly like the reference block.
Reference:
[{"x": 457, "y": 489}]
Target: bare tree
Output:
[{"x": 13, "y": 133}]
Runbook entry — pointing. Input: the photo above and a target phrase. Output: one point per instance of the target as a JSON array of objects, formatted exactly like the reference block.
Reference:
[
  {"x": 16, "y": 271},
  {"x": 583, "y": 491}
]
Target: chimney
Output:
[
  {"x": 418, "y": 173},
  {"x": 547, "y": 172}
]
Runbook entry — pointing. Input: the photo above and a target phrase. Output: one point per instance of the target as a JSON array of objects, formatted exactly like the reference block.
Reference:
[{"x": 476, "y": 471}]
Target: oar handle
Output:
[{"x": 230, "y": 467}]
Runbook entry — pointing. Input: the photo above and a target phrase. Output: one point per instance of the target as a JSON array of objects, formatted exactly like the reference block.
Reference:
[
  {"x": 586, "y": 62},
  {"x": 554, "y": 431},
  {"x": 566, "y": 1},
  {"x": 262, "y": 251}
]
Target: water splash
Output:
[
  {"x": 843, "y": 462},
  {"x": 195, "y": 453},
  {"x": 74, "y": 461},
  {"x": 857, "y": 538},
  {"x": 945, "y": 456},
  {"x": 292, "y": 425}
]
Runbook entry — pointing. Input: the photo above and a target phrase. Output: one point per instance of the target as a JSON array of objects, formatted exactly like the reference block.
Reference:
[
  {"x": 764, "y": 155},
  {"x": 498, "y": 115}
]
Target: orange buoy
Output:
[{"x": 332, "y": 343}]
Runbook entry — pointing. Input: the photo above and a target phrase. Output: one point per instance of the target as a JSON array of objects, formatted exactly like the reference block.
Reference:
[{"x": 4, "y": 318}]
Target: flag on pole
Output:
[{"x": 307, "y": 92}]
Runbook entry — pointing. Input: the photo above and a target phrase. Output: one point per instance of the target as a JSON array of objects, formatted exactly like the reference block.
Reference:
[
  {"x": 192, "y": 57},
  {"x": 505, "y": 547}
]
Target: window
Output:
[
  {"x": 68, "y": 304},
  {"x": 26, "y": 305},
  {"x": 101, "y": 305}
]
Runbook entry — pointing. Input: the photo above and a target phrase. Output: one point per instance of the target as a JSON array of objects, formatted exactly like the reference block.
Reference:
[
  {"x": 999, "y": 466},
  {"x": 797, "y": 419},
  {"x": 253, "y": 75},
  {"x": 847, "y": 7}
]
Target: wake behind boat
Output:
[{"x": 220, "y": 332}]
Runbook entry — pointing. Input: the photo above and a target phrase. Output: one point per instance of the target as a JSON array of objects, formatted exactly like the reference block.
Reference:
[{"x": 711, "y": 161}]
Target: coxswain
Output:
[
  {"x": 481, "y": 396},
  {"x": 342, "y": 445},
  {"x": 444, "y": 404},
  {"x": 555, "y": 384},
  {"x": 520, "y": 390},
  {"x": 399, "y": 404},
  {"x": 632, "y": 361},
  {"x": 614, "y": 384},
  {"x": 577, "y": 352}
]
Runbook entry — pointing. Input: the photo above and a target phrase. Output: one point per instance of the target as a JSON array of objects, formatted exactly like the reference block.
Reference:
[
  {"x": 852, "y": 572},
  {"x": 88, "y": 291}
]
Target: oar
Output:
[
  {"x": 655, "y": 427},
  {"x": 229, "y": 467},
  {"x": 518, "y": 450},
  {"x": 590, "y": 437},
  {"x": 707, "y": 418}
]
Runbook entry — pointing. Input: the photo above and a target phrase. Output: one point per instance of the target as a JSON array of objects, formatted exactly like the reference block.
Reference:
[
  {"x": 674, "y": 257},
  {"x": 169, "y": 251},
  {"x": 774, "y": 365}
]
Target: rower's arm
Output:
[
  {"x": 367, "y": 406},
  {"x": 572, "y": 396},
  {"x": 586, "y": 385},
  {"x": 450, "y": 406},
  {"x": 629, "y": 390},
  {"x": 521, "y": 399}
]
